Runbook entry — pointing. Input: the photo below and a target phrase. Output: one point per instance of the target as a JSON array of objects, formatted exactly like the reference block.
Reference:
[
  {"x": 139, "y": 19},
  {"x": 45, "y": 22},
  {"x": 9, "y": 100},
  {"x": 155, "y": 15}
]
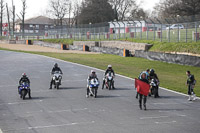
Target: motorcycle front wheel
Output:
[{"x": 23, "y": 94}]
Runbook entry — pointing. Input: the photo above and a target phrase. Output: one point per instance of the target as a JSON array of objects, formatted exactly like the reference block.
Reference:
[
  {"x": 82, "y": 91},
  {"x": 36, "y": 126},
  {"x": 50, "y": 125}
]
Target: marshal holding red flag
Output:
[{"x": 142, "y": 87}]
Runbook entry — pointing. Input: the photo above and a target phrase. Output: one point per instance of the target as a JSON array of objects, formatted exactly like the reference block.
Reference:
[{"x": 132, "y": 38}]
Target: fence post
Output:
[
  {"x": 169, "y": 32},
  {"x": 124, "y": 29},
  {"x": 119, "y": 30},
  {"x": 196, "y": 32},
  {"x": 141, "y": 30},
  {"x": 186, "y": 28}
]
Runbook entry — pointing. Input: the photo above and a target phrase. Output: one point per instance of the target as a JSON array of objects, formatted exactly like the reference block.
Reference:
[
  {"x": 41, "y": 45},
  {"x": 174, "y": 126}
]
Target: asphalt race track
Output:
[{"x": 68, "y": 110}]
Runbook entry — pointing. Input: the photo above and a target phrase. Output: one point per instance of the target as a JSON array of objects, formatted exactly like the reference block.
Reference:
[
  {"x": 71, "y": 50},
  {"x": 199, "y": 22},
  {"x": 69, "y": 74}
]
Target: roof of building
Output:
[
  {"x": 38, "y": 20},
  {"x": 42, "y": 20}
]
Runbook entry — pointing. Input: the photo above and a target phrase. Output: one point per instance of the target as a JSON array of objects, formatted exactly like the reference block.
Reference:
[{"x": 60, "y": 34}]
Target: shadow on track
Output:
[{"x": 69, "y": 88}]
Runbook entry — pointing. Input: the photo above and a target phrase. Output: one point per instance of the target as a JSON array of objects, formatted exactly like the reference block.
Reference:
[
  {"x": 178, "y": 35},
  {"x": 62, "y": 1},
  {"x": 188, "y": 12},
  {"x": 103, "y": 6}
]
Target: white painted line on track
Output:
[
  {"x": 156, "y": 117},
  {"x": 172, "y": 103},
  {"x": 16, "y": 103},
  {"x": 165, "y": 122},
  {"x": 1, "y": 131},
  {"x": 56, "y": 111},
  {"x": 1, "y": 86},
  {"x": 51, "y": 126},
  {"x": 69, "y": 110}
]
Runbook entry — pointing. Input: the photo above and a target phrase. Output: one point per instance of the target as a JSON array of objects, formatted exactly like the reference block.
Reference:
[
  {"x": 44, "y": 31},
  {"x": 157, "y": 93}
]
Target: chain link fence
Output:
[{"x": 179, "y": 29}]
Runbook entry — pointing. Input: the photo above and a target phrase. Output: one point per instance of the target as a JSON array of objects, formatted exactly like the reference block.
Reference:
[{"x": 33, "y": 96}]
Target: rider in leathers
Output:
[
  {"x": 153, "y": 75},
  {"x": 109, "y": 69},
  {"x": 55, "y": 68},
  {"x": 90, "y": 77},
  {"x": 25, "y": 79}
]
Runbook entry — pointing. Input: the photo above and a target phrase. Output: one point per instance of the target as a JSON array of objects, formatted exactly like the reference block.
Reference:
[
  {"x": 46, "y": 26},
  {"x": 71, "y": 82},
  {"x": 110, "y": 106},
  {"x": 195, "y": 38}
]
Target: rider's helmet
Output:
[
  {"x": 24, "y": 75},
  {"x": 56, "y": 65},
  {"x": 152, "y": 71},
  {"x": 109, "y": 66},
  {"x": 93, "y": 72}
]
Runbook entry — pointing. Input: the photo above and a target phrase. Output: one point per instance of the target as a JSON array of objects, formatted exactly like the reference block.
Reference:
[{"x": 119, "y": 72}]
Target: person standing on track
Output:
[
  {"x": 141, "y": 96},
  {"x": 147, "y": 77},
  {"x": 191, "y": 83}
]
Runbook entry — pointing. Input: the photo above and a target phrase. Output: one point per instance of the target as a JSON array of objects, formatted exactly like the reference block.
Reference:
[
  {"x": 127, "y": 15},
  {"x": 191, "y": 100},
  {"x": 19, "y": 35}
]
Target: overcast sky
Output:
[{"x": 38, "y": 7}]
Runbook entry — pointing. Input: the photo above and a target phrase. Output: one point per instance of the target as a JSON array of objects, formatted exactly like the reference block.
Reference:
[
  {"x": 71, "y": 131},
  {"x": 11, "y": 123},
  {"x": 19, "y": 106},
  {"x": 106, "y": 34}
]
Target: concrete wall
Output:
[
  {"x": 131, "y": 46},
  {"x": 13, "y": 42},
  {"x": 45, "y": 44},
  {"x": 114, "y": 51},
  {"x": 170, "y": 58}
]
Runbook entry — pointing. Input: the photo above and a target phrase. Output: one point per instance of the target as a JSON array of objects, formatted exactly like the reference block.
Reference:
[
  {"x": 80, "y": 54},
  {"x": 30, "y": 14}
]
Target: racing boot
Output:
[
  {"x": 194, "y": 97},
  {"x": 29, "y": 94},
  {"x": 113, "y": 85},
  {"x": 190, "y": 98}
]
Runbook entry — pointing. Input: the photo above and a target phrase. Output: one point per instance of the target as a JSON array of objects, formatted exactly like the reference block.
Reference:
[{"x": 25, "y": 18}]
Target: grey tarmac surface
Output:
[{"x": 68, "y": 110}]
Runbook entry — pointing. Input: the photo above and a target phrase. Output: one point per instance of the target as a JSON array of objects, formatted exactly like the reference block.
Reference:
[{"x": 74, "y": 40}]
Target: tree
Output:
[
  {"x": 139, "y": 13},
  {"x": 59, "y": 9},
  {"x": 172, "y": 8},
  {"x": 13, "y": 17},
  {"x": 8, "y": 17},
  {"x": 189, "y": 7},
  {"x": 23, "y": 13},
  {"x": 1, "y": 16},
  {"x": 123, "y": 8},
  {"x": 96, "y": 11}
]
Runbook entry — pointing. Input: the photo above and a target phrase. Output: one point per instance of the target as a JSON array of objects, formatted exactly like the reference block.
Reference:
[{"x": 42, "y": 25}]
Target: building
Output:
[
  {"x": 35, "y": 25},
  {"x": 133, "y": 26}
]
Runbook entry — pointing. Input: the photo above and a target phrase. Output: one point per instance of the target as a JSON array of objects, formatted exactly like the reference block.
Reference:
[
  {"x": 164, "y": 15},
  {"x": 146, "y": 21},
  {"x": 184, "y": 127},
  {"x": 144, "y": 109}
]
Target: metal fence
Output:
[{"x": 179, "y": 29}]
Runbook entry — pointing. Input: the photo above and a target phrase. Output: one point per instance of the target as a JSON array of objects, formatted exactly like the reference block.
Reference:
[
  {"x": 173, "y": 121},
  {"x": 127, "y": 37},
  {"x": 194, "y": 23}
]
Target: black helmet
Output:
[
  {"x": 152, "y": 71},
  {"x": 56, "y": 65}
]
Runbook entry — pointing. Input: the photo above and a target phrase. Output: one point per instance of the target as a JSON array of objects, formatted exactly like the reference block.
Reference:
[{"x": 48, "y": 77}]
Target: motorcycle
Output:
[
  {"x": 154, "y": 87},
  {"x": 108, "y": 81},
  {"x": 24, "y": 89},
  {"x": 93, "y": 87},
  {"x": 57, "y": 77}
]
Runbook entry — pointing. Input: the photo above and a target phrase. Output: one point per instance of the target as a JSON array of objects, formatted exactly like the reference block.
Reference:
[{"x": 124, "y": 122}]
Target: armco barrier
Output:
[{"x": 170, "y": 58}]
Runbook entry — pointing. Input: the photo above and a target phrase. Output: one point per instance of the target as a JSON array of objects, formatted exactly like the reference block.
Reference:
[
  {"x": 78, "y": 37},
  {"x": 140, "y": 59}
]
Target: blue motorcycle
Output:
[
  {"x": 93, "y": 87},
  {"x": 24, "y": 89}
]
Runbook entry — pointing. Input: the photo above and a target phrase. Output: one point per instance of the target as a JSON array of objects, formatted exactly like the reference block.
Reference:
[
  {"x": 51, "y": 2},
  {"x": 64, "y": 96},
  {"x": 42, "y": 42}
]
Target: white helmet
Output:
[
  {"x": 92, "y": 71},
  {"x": 109, "y": 66}
]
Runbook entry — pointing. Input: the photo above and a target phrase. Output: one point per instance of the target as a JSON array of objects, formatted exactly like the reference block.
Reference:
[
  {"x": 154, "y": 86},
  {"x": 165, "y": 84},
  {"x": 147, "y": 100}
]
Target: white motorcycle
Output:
[
  {"x": 57, "y": 77},
  {"x": 154, "y": 87},
  {"x": 108, "y": 81},
  {"x": 93, "y": 87}
]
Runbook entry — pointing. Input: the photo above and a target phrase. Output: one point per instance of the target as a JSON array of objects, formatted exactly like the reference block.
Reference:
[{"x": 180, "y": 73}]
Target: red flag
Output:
[{"x": 142, "y": 87}]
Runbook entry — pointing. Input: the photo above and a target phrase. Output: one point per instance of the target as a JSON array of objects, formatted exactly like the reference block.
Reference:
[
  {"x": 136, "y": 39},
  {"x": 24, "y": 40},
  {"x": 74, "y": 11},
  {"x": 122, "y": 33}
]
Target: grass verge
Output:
[{"x": 172, "y": 76}]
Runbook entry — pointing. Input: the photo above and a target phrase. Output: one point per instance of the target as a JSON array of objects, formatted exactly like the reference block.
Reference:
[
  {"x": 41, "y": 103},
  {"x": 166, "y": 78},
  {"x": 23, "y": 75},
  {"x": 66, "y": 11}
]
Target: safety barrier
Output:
[{"x": 170, "y": 58}]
